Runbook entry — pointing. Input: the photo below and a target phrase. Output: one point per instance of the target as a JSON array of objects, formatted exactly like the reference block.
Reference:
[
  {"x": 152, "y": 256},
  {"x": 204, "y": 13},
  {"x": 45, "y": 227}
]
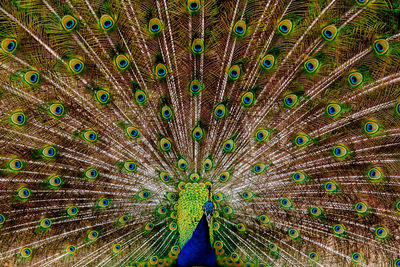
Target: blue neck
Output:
[{"x": 198, "y": 251}]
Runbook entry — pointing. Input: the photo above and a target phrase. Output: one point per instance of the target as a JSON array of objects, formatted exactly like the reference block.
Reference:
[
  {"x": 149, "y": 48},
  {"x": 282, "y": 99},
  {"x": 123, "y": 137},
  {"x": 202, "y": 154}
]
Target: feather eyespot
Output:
[
  {"x": 18, "y": 118},
  {"x": 31, "y": 77},
  {"x": 122, "y": 62},
  {"x": 165, "y": 144},
  {"x": 285, "y": 27},
  {"x": 144, "y": 194},
  {"x": 268, "y": 62},
  {"x": 166, "y": 112},
  {"x": 331, "y": 187},
  {"x": 264, "y": 219},
  {"x": 173, "y": 226},
  {"x": 241, "y": 227},
  {"x": 57, "y": 110},
  {"x": 311, "y": 65},
  {"x": 333, "y": 110},
  {"x": 371, "y": 128},
  {"x": 103, "y": 203},
  {"x": 286, "y": 203},
  {"x": 9, "y": 45},
  {"x": 381, "y": 46},
  {"x": 316, "y": 212},
  {"x": 171, "y": 196},
  {"x": 116, "y": 248},
  {"x": 54, "y": 181},
  {"x": 273, "y": 247},
  {"x": 340, "y": 152},
  {"x": 45, "y": 223},
  {"x": 397, "y": 206},
  {"x": 164, "y": 177},
  {"x": 193, "y": 6},
  {"x": 102, "y": 96},
  {"x": 262, "y": 135},
  {"x": 92, "y": 235},
  {"x": 290, "y": 100},
  {"x": 123, "y": 219},
  {"x": 247, "y": 195},
  {"x": 198, "y": 46},
  {"x": 313, "y": 256},
  {"x": 26, "y": 252},
  {"x": 247, "y": 99},
  {"x": 132, "y": 132},
  {"x": 70, "y": 249},
  {"x": 339, "y": 229},
  {"x": 362, "y": 2},
  {"x": 195, "y": 87},
  {"x": 234, "y": 72},
  {"x": 182, "y": 164},
  {"x": 228, "y": 145},
  {"x": 130, "y": 166},
  {"x": 155, "y": 26},
  {"x": 48, "y": 152},
  {"x": 228, "y": 210},
  {"x": 240, "y": 28},
  {"x": 106, "y": 22},
  {"x": 381, "y": 233},
  {"x": 259, "y": 168},
  {"x": 355, "y": 79},
  {"x": 194, "y": 177},
  {"x": 224, "y": 177},
  {"x": 220, "y": 111},
  {"x": 76, "y": 65},
  {"x": 72, "y": 211},
  {"x": 148, "y": 227},
  {"x": 198, "y": 133},
  {"x": 208, "y": 164},
  {"x": 301, "y": 140},
  {"x": 140, "y": 97},
  {"x": 2, "y": 219},
  {"x": 160, "y": 71},
  {"x": 397, "y": 262},
  {"x": 23, "y": 193},
  {"x": 356, "y": 257},
  {"x": 91, "y": 174},
  {"x": 90, "y": 136},
  {"x": 293, "y": 233},
  {"x": 361, "y": 207},
  {"x": 69, "y": 23},
  {"x": 299, "y": 177},
  {"x": 15, "y": 165},
  {"x": 329, "y": 32}
]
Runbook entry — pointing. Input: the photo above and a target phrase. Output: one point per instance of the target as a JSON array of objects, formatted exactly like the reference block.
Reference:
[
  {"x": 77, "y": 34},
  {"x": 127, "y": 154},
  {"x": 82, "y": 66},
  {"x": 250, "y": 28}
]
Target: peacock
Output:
[{"x": 186, "y": 133}]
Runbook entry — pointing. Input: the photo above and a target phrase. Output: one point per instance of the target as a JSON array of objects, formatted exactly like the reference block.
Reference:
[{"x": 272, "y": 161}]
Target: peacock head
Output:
[{"x": 208, "y": 207}]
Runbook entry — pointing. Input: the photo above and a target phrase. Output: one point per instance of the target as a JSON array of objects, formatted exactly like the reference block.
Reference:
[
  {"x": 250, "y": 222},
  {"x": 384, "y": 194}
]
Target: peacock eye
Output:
[
  {"x": 102, "y": 96},
  {"x": 160, "y": 71},
  {"x": 239, "y": 29},
  {"x": 106, "y": 22},
  {"x": 247, "y": 99},
  {"x": 198, "y": 46},
  {"x": 371, "y": 128},
  {"x": 355, "y": 79},
  {"x": 340, "y": 152},
  {"x": 69, "y": 23},
  {"x": 290, "y": 100},
  {"x": 381, "y": 46},
  {"x": 267, "y": 62},
  {"x": 166, "y": 112},
  {"x": 333, "y": 110},
  {"x": 311, "y": 65},
  {"x": 234, "y": 72},
  {"x": 140, "y": 97},
  {"x": 9, "y": 45},
  {"x": 198, "y": 133},
  {"x": 122, "y": 62},
  {"x": 228, "y": 145},
  {"x": 329, "y": 32},
  {"x": 155, "y": 26},
  {"x": 285, "y": 27},
  {"x": 31, "y": 77}
]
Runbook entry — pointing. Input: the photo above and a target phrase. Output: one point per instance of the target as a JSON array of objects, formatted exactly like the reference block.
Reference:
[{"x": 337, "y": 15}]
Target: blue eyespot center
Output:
[
  {"x": 289, "y": 101},
  {"x": 27, "y": 251},
  {"x": 300, "y": 140},
  {"x": 198, "y": 48},
  {"x": 331, "y": 110},
  {"x": 207, "y": 165},
  {"x": 33, "y": 78},
  {"x": 195, "y": 87},
  {"x": 239, "y": 29},
  {"x": 310, "y": 66},
  {"x": 105, "y": 201},
  {"x": 71, "y": 248},
  {"x": 11, "y": 46},
  {"x": 123, "y": 63},
  {"x": 50, "y": 151},
  {"x": 338, "y": 150},
  {"x": 107, "y": 24},
  {"x": 228, "y": 146},
  {"x": 161, "y": 72},
  {"x": 368, "y": 127},
  {"x": 379, "y": 47},
  {"x": 25, "y": 192},
  {"x": 359, "y": 207},
  {"x": 197, "y": 134},
  {"x": 57, "y": 180},
  {"x": 284, "y": 28},
  {"x": 166, "y": 178},
  {"x": 167, "y": 113},
  {"x": 284, "y": 202},
  {"x": 78, "y": 66},
  {"x": 134, "y": 133},
  {"x": 166, "y": 145},
  {"x": 193, "y": 6},
  {"x": 247, "y": 100},
  {"x": 182, "y": 166},
  {"x": 329, "y": 186},
  {"x": 314, "y": 210},
  {"x": 104, "y": 97},
  {"x": 260, "y": 135},
  {"x": 234, "y": 73},
  {"x": 155, "y": 27},
  {"x": 17, "y": 164},
  {"x": 223, "y": 177},
  {"x": 70, "y": 24},
  {"x": 140, "y": 97},
  {"x": 267, "y": 63},
  {"x": 219, "y": 112},
  {"x": 93, "y": 173},
  {"x": 353, "y": 79},
  {"x": 59, "y": 110},
  {"x": 20, "y": 118},
  {"x": 328, "y": 33}
]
